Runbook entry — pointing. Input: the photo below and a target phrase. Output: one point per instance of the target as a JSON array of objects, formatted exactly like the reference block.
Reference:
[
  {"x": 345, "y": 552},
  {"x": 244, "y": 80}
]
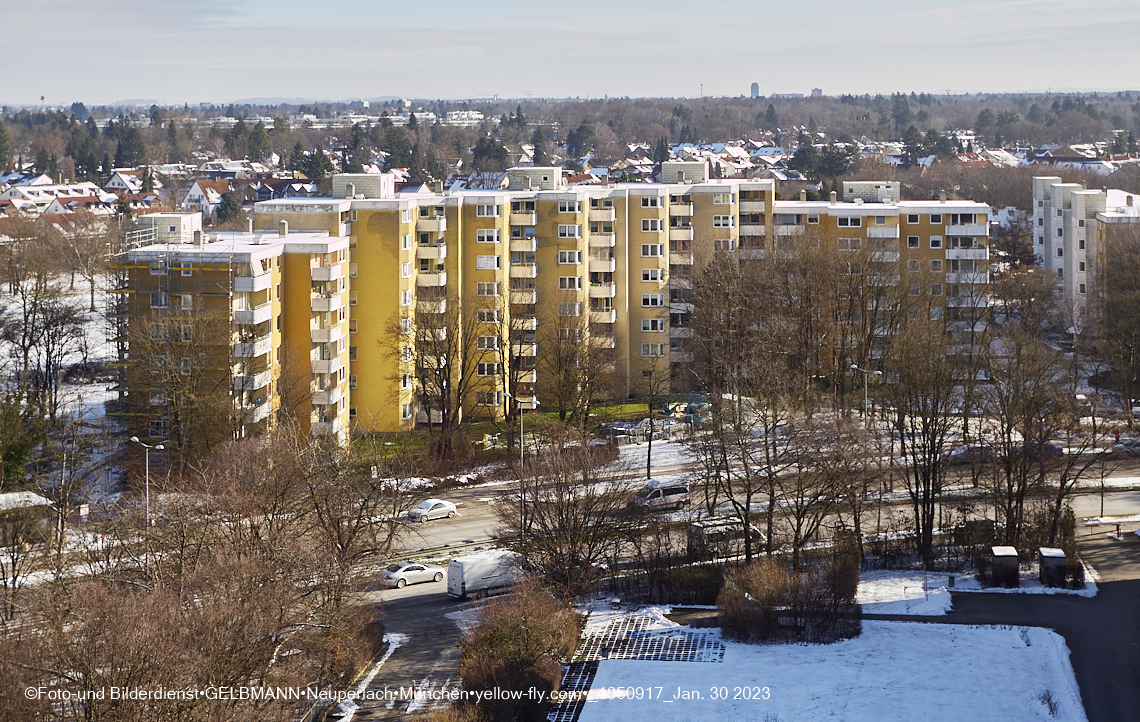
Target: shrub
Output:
[{"x": 518, "y": 643}]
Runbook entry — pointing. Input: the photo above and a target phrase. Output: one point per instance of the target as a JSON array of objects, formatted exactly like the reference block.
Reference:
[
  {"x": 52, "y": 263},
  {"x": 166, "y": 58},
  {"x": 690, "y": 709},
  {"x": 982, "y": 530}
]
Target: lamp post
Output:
[
  {"x": 509, "y": 396},
  {"x": 148, "y": 447},
  {"x": 866, "y": 376}
]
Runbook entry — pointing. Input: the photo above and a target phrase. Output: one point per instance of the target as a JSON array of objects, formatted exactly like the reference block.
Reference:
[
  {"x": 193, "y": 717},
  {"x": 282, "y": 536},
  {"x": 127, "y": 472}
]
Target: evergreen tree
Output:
[
  {"x": 413, "y": 124},
  {"x": 229, "y": 209},
  {"x": 416, "y": 172},
  {"x": 259, "y": 143},
  {"x": 296, "y": 160},
  {"x": 317, "y": 164},
  {"x": 398, "y": 147},
  {"x": 489, "y": 156},
  {"x": 771, "y": 118},
  {"x": 660, "y": 151},
  {"x": 5, "y": 147},
  {"x": 538, "y": 140},
  {"x": 147, "y": 181}
]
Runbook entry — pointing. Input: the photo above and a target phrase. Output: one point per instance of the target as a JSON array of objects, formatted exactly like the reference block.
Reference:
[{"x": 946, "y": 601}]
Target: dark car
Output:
[
  {"x": 1039, "y": 452},
  {"x": 970, "y": 454},
  {"x": 1128, "y": 447}
]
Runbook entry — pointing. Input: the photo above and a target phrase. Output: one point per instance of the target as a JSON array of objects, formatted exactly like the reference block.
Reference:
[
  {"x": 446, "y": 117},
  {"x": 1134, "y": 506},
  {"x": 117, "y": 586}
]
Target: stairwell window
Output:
[
  {"x": 650, "y": 201},
  {"x": 487, "y": 210},
  {"x": 652, "y": 300},
  {"x": 569, "y": 258},
  {"x": 652, "y": 250},
  {"x": 488, "y": 289},
  {"x": 569, "y": 206},
  {"x": 652, "y": 350},
  {"x": 569, "y": 231},
  {"x": 487, "y": 235},
  {"x": 845, "y": 222},
  {"x": 570, "y": 283},
  {"x": 652, "y": 325},
  {"x": 652, "y": 225},
  {"x": 488, "y": 263},
  {"x": 651, "y": 275},
  {"x": 724, "y": 221}
]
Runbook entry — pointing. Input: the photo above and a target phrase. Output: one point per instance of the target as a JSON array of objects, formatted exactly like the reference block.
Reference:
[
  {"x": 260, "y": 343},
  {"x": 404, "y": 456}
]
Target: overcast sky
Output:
[{"x": 224, "y": 50}]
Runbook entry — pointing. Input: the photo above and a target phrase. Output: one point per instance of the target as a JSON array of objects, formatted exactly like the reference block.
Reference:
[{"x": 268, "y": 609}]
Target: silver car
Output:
[
  {"x": 402, "y": 574},
  {"x": 432, "y": 509}
]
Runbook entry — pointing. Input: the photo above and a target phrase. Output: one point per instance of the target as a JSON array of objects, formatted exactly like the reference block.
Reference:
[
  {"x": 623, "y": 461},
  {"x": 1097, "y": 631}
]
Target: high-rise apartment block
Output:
[{"x": 337, "y": 309}]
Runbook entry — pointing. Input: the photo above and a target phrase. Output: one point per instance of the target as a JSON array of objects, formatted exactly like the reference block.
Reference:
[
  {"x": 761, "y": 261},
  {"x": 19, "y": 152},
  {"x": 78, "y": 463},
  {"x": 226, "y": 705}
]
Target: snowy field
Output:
[{"x": 894, "y": 671}]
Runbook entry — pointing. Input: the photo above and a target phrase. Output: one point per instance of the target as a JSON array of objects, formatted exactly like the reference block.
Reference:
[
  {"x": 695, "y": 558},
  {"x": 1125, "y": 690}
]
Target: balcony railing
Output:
[
  {"x": 528, "y": 218},
  {"x": 435, "y": 224},
  {"x": 603, "y": 290},
  {"x": 252, "y": 284},
  {"x": 431, "y": 280},
  {"x": 603, "y": 215},
  {"x": 260, "y": 314}
]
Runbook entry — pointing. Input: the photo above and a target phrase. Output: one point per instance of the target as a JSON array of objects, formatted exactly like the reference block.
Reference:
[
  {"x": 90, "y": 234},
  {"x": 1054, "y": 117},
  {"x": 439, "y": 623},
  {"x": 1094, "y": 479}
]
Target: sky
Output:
[{"x": 227, "y": 50}]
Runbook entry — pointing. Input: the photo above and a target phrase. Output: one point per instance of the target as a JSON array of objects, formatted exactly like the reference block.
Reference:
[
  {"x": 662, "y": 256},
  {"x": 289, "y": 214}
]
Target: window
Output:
[
  {"x": 157, "y": 428},
  {"x": 487, "y": 211},
  {"x": 157, "y": 268},
  {"x": 488, "y": 263},
  {"x": 651, "y": 201},
  {"x": 1040, "y": 204},
  {"x": 188, "y": 268},
  {"x": 1060, "y": 232},
  {"x": 487, "y": 315},
  {"x": 406, "y": 354},
  {"x": 488, "y": 289},
  {"x": 1081, "y": 244},
  {"x": 570, "y": 283},
  {"x": 406, "y": 325},
  {"x": 187, "y": 333},
  {"x": 488, "y": 369},
  {"x": 651, "y": 275},
  {"x": 652, "y": 300},
  {"x": 912, "y": 241},
  {"x": 406, "y": 242},
  {"x": 1080, "y": 288},
  {"x": 848, "y": 244},
  {"x": 158, "y": 398},
  {"x": 569, "y": 231},
  {"x": 652, "y": 250},
  {"x": 652, "y": 325},
  {"x": 406, "y": 412},
  {"x": 935, "y": 219},
  {"x": 724, "y": 221},
  {"x": 406, "y": 270},
  {"x": 936, "y": 289},
  {"x": 652, "y": 349},
  {"x": 724, "y": 245},
  {"x": 849, "y": 222},
  {"x": 522, "y": 258},
  {"x": 488, "y": 398},
  {"x": 914, "y": 265},
  {"x": 936, "y": 241},
  {"x": 912, "y": 218},
  {"x": 850, "y": 269},
  {"x": 569, "y": 258},
  {"x": 936, "y": 266},
  {"x": 880, "y": 220},
  {"x": 1080, "y": 224},
  {"x": 1059, "y": 213},
  {"x": 1081, "y": 266},
  {"x": 405, "y": 381},
  {"x": 569, "y": 206},
  {"x": 570, "y": 334},
  {"x": 936, "y": 314},
  {"x": 1041, "y": 240},
  {"x": 352, "y": 325},
  {"x": 487, "y": 343},
  {"x": 652, "y": 225},
  {"x": 185, "y": 366},
  {"x": 487, "y": 235},
  {"x": 813, "y": 220},
  {"x": 159, "y": 300},
  {"x": 914, "y": 290},
  {"x": 406, "y": 298},
  {"x": 1060, "y": 253},
  {"x": 722, "y": 199},
  {"x": 569, "y": 309}
]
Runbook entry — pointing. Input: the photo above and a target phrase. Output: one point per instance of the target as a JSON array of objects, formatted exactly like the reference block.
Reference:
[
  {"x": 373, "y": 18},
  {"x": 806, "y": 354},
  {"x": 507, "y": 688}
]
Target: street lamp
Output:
[
  {"x": 509, "y": 396},
  {"x": 148, "y": 447},
  {"x": 866, "y": 375}
]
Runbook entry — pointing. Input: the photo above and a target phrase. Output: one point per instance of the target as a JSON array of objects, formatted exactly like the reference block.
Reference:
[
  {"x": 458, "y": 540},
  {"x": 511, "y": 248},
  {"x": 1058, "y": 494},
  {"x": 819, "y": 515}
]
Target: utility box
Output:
[
  {"x": 1051, "y": 563},
  {"x": 1005, "y": 566}
]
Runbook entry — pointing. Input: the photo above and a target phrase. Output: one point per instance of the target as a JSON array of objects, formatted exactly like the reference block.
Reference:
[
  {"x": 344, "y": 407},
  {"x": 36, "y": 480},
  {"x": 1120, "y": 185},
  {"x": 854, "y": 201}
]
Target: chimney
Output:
[
  {"x": 349, "y": 190},
  {"x": 197, "y": 238},
  {"x": 437, "y": 187},
  {"x": 941, "y": 196},
  {"x": 528, "y": 179},
  {"x": 283, "y": 229},
  {"x": 803, "y": 194},
  {"x": 833, "y": 198},
  {"x": 249, "y": 225}
]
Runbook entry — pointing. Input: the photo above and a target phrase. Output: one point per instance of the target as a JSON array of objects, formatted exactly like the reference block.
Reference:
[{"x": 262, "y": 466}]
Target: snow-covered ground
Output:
[
  {"x": 667, "y": 456},
  {"x": 893, "y": 671}
]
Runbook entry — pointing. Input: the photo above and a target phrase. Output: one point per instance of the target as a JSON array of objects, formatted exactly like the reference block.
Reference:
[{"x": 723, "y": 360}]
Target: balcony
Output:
[
  {"x": 524, "y": 297},
  {"x": 524, "y": 219},
  {"x": 432, "y": 306},
  {"x": 753, "y": 229},
  {"x": 681, "y": 209},
  {"x": 524, "y": 349},
  {"x": 602, "y": 266},
  {"x": 261, "y": 314},
  {"x": 883, "y": 257},
  {"x": 253, "y": 349},
  {"x": 968, "y": 229},
  {"x": 968, "y": 301},
  {"x": 681, "y": 258},
  {"x": 883, "y": 232},
  {"x": 609, "y": 316},
  {"x": 789, "y": 230},
  {"x": 603, "y": 290},
  {"x": 437, "y": 252},
  {"x": 680, "y": 234},
  {"x": 602, "y": 240},
  {"x": 968, "y": 254},
  {"x": 751, "y": 254},
  {"x": 325, "y": 273},
  {"x": 325, "y": 304},
  {"x": 252, "y": 382},
  {"x": 524, "y": 271},
  {"x": 971, "y": 278},
  {"x": 252, "y": 284},
  {"x": 604, "y": 340},
  {"x": 435, "y": 224},
  {"x": 431, "y": 280},
  {"x": 327, "y": 366},
  {"x": 603, "y": 215},
  {"x": 680, "y": 332},
  {"x": 332, "y": 427},
  {"x": 527, "y": 403},
  {"x": 680, "y": 308},
  {"x": 680, "y": 357},
  {"x": 327, "y": 397},
  {"x": 528, "y": 376},
  {"x": 325, "y": 335},
  {"x": 753, "y": 207},
  {"x": 523, "y": 245},
  {"x": 251, "y": 414}
]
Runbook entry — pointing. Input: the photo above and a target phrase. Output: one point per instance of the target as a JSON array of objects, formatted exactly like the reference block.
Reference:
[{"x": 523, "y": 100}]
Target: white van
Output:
[
  {"x": 479, "y": 575},
  {"x": 658, "y": 496}
]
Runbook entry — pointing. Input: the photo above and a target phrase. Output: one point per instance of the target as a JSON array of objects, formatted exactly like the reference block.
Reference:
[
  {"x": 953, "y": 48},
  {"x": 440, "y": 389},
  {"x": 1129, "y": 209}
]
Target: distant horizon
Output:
[{"x": 219, "y": 51}]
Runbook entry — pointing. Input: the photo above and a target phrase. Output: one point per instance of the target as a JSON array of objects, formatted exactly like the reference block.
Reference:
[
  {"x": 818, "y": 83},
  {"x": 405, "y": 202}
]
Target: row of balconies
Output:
[{"x": 253, "y": 349}]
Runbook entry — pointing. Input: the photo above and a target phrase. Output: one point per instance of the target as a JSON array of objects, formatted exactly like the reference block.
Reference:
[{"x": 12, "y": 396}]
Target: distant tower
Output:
[
  {"x": 817, "y": 92},
  {"x": 756, "y": 90}
]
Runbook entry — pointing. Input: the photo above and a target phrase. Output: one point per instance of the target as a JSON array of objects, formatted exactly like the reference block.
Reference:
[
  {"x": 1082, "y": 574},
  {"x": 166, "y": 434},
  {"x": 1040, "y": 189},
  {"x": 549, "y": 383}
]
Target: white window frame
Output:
[
  {"x": 570, "y": 283},
  {"x": 936, "y": 242},
  {"x": 488, "y": 235},
  {"x": 849, "y": 222},
  {"x": 724, "y": 221},
  {"x": 652, "y": 325},
  {"x": 569, "y": 231},
  {"x": 570, "y": 258},
  {"x": 723, "y": 199},
  {"x": 651, "y": 201},
  {"x": 406, "y": 297},
  {"x": 569, "y": 206},
  {"x": 570, "y": 310},
  {"x": 652, "y": 350},
  {"x": 848, "y": 244},
  {"x": 488, "y": 263},
  {"x": 487, "y": 343},
  {"x": 162, "y": 299},
  {"x": 406, "y": 269},
  {"x": 487, "y": 210},
  {"x": 488, "y": 289},
  {"x": 652, "y": 300},
  {"x": 652, "y": 275},
  {"x": 488, "y": 315},
  {"x": 652, "y": 225},
  {"x": 488, "y": 369},
  {"x": 652, "y": 250}
]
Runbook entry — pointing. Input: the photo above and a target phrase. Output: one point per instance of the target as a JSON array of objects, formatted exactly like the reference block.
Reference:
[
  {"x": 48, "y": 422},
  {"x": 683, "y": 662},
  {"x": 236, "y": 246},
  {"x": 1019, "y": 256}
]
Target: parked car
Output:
[
  {"x": 401, "y": 574},
  {"x": 660, "y": 497},
  {"x": 970, "y": 454},
  {"x": 1128, "y": 447},
  {"x": 1042, "y": 451},
  {"x": 432, "y": 509}
]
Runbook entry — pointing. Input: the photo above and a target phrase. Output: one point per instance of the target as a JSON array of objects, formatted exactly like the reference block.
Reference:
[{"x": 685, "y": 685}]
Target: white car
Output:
[
  {"x": 403, "y": 573},
  {"x": 432, "y": 509}
]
